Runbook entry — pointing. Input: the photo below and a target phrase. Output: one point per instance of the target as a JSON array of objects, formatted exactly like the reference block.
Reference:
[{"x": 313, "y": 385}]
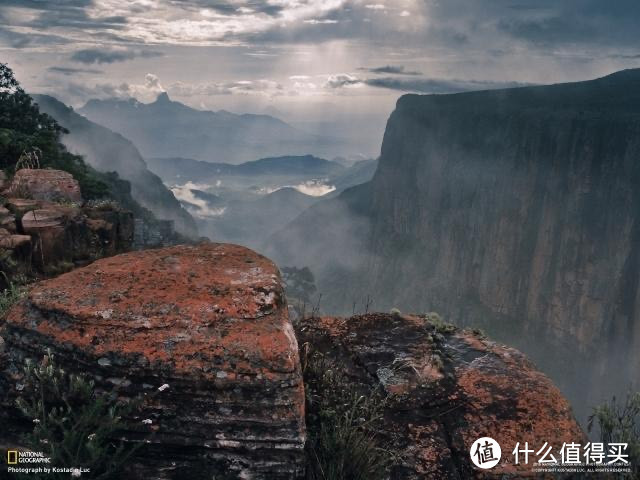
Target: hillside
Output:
[
  {"x": 108, "y": 151},
  {"x": 165, "y": 128},
  {"x": 179, "y": 169},
  {"x": 514, "y": 210}
]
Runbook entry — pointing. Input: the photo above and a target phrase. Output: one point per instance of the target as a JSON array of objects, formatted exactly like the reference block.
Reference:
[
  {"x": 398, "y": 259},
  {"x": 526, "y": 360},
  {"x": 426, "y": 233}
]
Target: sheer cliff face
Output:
[{"x": 517, "y": 211}]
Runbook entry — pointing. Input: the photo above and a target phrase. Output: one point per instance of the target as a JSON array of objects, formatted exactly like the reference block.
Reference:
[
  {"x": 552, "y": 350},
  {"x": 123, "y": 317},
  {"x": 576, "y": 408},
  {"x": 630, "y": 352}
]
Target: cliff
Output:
[
  {"x": 513, "y": 210},
  {"x": 211, "y": 322}
]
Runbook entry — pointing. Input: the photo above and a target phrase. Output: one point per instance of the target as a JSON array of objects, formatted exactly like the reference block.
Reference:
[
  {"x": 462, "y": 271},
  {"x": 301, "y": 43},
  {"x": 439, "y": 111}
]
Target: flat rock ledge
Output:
[{"x": 211, "y": 322}]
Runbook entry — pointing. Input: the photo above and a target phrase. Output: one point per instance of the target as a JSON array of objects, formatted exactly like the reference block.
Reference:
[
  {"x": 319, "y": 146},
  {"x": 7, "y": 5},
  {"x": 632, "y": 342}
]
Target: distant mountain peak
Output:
[{"x": 163, "y": 97}]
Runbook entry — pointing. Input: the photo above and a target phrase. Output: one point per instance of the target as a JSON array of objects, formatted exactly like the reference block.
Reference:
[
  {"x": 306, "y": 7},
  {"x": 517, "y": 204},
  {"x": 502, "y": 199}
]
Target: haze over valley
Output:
[{"x": 431, "y": 180}]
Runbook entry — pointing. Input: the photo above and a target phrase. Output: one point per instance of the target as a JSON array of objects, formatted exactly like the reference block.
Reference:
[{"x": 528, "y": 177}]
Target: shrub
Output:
[
  {"x": 620, "y": 422},
  {"x": 74, "y": 425},
  {"x": 439, "y": 325},
  {"x": 342, "y": 421}
]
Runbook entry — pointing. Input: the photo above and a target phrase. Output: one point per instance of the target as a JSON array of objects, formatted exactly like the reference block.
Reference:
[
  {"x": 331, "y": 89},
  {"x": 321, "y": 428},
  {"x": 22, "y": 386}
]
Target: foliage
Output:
[
  {"x": 74, "y": 425},
  {"x": 24, "y": 130},
  {"x": 9, "y": 296},
  {"x": 299, "y": 282},
  {"x": 620, "y": 422},
  {"x": 439, "y": 325},
  {"x": 342, "y": 419}
]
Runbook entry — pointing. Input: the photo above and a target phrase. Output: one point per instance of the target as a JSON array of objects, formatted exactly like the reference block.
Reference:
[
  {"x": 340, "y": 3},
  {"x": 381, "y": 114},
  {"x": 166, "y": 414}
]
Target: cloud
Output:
[
  {"x": 341, "y": 80},
  {"x": 326, "y": 21},
  {"x": 152, "y": 83},
  {"x": 433, "y": 85},
  {"x": 95, "y": 55},
  {"x": 392, "y": 69},
  {"x": 375, "y": 6},
  {"x": 73, "y": 71},
  {"x": 264, "y": 87}
]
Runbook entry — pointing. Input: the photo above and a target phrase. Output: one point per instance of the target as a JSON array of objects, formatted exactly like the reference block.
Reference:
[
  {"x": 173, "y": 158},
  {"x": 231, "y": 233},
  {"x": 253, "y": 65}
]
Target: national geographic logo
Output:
[{"x": 15, "y": 457}]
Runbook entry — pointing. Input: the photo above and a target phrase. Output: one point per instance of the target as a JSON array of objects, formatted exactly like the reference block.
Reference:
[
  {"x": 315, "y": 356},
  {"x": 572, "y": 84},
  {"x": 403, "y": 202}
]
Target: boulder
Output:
[
  {"x": 447, "y": 388},
  {"x": 64, "y": 234},
  {"x": 211, "y": 322},
  {"x": 52, "y": 231},
  {"x": 20, "y": 206},
  {"x": 8, "y": 222},
  {"x": 46, "y": 184},
  {"x": 12, "y": 242}
]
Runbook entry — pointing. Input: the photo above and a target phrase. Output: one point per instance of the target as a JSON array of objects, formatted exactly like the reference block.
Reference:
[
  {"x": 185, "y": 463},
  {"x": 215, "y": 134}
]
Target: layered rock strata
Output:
[{"x": 210, "y": 322}]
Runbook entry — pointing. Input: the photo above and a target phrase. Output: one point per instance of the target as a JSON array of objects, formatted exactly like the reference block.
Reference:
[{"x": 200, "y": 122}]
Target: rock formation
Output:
[
  {"x": 46, "y": 185},
  {"x": 517, "y": 211},
  {"x": 448, "y": 388},
  {"x": 211, "y": 322},
  {"x": 45, "y": 226}
]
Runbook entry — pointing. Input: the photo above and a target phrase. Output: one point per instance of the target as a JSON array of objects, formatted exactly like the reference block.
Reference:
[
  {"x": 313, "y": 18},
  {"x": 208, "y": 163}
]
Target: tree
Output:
[
  {"x": 300, "y": 283},
  {"x": 23, "y": 128}
]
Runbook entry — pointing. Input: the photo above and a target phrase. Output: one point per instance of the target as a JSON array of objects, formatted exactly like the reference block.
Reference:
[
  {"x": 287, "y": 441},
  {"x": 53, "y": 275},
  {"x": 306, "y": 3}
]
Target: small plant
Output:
[
  {"x": 342, "y": 421},
  {"x": 439, "y": 325},
  {"x": 9, "y": 296},
  {"x": 74, "y": 425},
  {"x": 619, "y": 422},
  {"x": 395, "y": 312}
]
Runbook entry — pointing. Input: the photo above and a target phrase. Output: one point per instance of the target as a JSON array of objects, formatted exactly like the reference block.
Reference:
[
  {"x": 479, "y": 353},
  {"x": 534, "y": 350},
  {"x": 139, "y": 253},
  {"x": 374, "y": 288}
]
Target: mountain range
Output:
[
  {"x": 187, "y": 169},
  {"x": 166, "y": 128}
]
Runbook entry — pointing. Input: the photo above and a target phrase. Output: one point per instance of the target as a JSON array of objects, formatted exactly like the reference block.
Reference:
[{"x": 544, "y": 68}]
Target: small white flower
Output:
[
  {"x": 163, "y": 387},
  {"x": 36, "y": 420},
  {"x": 92, "y": 436},
  {"x": 147, "y": 421},
  {"x": 75, "y": 472}
]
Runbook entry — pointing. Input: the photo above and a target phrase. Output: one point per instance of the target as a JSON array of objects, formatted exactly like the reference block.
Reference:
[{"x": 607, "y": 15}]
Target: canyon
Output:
[{"x": 516, "y": 211}]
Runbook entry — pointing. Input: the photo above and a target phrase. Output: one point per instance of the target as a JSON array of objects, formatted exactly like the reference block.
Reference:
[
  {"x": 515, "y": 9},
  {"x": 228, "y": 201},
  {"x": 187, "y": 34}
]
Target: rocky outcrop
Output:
[
  {"x": 448, "y": 387},
  {"x": 52, "y": 230},
  {"x": 211, "y": 322},
  {"x": 47, "y": 185},
  {"x": 517, "y": 211},
  {"x": 202, "y": 335}
]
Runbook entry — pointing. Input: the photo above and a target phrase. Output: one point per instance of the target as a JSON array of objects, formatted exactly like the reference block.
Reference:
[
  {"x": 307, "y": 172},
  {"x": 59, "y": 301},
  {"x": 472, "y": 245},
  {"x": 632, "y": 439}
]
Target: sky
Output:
[{"x": 316, "y": 63}]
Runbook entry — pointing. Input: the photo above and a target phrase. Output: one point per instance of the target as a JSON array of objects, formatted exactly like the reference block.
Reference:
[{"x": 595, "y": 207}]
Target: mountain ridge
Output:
[{"x": 169, "y": 128}]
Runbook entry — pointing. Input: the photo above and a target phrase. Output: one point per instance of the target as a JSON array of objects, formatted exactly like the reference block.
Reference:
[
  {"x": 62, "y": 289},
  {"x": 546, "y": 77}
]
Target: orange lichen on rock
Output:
[
  {"x": 210, "y": 321},
  {"x": 447, "y": 388}
]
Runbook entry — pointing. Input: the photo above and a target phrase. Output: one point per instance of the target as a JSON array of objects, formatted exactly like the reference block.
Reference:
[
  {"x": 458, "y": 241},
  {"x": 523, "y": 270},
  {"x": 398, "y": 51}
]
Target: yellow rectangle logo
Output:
[{"x": 12, "y": 457}]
